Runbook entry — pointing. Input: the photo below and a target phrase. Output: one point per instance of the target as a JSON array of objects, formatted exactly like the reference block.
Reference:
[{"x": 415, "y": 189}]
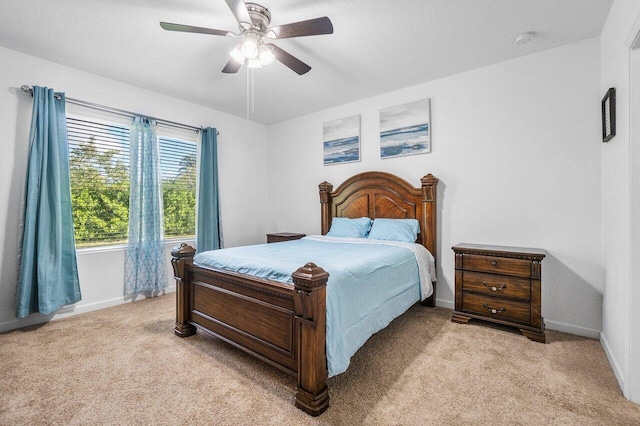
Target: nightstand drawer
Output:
[
  {"x": 497, "y": 265},
  {"x": 497, "y": 308},
  {"x": 497, "y": 285}
]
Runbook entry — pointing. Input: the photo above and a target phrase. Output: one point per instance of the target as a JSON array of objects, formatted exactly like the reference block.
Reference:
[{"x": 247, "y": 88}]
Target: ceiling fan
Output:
[{"x": 255, "y": 46}]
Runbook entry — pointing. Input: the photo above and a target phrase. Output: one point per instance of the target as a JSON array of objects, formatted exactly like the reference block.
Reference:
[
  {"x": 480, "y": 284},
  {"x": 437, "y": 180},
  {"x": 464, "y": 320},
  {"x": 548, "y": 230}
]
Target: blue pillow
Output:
[
  {"x": 405, "y": 230},
  {"x": 353, "y": 228}
]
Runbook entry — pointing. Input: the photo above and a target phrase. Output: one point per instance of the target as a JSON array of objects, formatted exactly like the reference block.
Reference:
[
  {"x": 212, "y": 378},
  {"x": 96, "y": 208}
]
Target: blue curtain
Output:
[
  {"x": 48, "y": 267},
  {"x": 145, "y": 269},
  {"x": 208, "y": 209}
]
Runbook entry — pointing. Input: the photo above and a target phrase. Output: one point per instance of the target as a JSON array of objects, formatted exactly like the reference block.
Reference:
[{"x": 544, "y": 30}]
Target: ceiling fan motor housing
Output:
[{"x": 260, "y": 16}]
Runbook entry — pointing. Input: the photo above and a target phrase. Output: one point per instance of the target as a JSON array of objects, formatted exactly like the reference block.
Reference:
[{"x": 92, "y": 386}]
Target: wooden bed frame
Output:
[{"x": 281, "y": 324}]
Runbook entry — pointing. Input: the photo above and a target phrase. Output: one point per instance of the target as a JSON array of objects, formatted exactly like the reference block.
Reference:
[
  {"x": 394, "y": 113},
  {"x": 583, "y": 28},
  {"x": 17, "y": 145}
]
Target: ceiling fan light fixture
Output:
[
  {"x": 265, "y": 55},
  {"x": 249, "y": 47},
  {"x": 237, "y": 55}
]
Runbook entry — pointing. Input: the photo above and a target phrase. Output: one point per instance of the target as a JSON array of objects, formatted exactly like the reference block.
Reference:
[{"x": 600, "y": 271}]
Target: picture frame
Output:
[
  {"x": 405, "y": 129},
  {"x": 341, "y": 140},
  {"x": 609, "y": 115}
]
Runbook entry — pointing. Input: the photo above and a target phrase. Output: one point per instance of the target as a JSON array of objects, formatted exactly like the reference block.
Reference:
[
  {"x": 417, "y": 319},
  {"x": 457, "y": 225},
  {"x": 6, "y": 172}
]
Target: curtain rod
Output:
[{"x": 28, "y": 89}]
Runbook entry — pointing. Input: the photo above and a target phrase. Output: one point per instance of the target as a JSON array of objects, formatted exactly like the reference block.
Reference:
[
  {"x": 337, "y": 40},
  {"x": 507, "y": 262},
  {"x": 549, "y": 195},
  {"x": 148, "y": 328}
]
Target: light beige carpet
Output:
[{"x": 123, "y": 365}]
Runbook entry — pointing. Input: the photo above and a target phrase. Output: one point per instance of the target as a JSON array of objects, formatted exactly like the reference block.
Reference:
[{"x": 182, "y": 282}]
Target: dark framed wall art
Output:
[{"x": 609, "y": 115}]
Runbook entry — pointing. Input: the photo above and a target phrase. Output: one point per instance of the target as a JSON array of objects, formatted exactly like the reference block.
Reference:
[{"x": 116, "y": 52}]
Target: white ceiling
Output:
[{"x": 377, "y": 46}]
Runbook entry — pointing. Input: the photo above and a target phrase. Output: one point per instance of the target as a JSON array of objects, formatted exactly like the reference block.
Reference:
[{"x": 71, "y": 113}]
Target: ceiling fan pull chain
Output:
[{"x": 247, "y": 95}]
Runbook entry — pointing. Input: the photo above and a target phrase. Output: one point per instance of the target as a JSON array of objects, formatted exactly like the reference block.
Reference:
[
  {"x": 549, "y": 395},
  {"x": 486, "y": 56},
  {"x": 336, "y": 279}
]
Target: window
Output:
[
  {"x": 178, "y": 164},
  {"x": 99, "y": 169}
]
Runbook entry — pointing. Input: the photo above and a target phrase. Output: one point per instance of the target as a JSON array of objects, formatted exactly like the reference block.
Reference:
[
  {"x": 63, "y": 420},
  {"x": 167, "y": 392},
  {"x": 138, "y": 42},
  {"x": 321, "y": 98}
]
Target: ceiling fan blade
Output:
[
  {"x": 317, "y": 26},
  {"x": 232, "y": 67},
  {"x": 189, "y": 29},
  {"x": 289, "y": 60},
  {"x": 239, "y": 10}
]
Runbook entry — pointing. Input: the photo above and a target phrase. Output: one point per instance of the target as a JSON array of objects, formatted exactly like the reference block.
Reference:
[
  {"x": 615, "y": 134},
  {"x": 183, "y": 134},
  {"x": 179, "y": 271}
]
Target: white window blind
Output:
[
  {"x": 99, "y": 168},
  {"x": 178, "y": 163}
]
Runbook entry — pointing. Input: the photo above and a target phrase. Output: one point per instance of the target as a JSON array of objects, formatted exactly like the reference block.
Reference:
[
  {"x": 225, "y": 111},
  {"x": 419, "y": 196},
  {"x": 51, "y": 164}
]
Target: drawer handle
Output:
[
  {"x": 494, "y": 263},
  {"x": 493, "y": 311},
  {"x": 492, "y": 288}
]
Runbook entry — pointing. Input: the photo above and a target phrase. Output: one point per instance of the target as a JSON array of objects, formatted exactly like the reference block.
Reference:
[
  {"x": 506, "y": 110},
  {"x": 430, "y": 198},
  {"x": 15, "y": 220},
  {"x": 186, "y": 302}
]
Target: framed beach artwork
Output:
[
  {"x": 341, "y": 140},
  {"x": 405, "y": 129}
]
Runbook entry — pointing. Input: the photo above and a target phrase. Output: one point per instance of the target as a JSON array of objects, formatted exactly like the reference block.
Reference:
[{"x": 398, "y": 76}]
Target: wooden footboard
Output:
[{"x": 282, "y": 325}]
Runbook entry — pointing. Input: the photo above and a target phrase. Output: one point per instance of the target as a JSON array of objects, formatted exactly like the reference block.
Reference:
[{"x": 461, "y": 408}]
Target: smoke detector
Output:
[{"x": 524, "y": 38}]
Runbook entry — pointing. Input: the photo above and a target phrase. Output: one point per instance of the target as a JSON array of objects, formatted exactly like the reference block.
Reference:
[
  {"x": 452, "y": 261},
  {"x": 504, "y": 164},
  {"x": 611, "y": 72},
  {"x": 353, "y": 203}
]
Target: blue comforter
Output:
[{"x": 369, "y": 284}]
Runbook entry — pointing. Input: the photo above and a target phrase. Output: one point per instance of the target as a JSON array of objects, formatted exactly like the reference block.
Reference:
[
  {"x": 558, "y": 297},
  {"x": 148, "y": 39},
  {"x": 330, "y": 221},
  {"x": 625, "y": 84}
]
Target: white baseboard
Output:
[
  {"x": 617, "y": 371},
  {"x": 69, "y": 311},
  {"x": 572, "y": 329},
  {"x": 445, "y": 303}
]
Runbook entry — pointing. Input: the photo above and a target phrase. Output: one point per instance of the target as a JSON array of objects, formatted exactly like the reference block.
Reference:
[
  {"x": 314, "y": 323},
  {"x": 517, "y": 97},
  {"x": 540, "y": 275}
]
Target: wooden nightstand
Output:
[
  {"x": 501, "y": 285},
  {"x": 283, "y": 236}
]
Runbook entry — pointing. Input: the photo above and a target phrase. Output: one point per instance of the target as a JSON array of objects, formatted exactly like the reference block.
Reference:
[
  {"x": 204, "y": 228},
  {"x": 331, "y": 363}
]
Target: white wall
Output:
[
  {"x": 634, "y": 223},
  {"x": 620, "y": 307},
  {"x": 242, "y": 148},
  {"x": 516, "y": 147}
]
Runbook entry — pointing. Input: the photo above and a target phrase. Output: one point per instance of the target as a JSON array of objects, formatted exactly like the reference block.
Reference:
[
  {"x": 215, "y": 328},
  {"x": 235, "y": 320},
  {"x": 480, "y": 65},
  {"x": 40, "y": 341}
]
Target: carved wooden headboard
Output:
[{"x": 380, "y": 194}]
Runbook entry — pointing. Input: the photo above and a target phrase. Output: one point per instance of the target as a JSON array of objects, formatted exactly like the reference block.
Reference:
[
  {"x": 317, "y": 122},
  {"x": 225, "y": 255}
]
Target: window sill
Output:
[{"x": 122, "y": 247}]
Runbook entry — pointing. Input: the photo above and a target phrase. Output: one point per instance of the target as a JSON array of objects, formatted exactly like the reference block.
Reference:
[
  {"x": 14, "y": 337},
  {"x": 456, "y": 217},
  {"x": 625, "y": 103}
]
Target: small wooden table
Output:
[
  {"x": 283, "y": 236},
  {"x": 501, "y": 285}
]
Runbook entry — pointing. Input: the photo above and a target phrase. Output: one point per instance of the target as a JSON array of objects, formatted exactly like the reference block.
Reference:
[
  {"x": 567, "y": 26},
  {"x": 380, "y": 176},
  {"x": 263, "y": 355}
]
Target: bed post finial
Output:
[
  {"x": 429, "y": 184},
  {"x": 310, "y": 299},
  {"x": 325, "y": 205},
  {"x": 181, "y": 256}
]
